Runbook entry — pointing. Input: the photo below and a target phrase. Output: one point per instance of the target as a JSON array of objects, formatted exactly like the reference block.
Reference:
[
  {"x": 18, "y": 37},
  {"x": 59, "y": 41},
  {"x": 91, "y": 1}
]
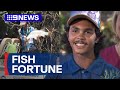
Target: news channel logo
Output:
[{"x": 23, "y": 17}]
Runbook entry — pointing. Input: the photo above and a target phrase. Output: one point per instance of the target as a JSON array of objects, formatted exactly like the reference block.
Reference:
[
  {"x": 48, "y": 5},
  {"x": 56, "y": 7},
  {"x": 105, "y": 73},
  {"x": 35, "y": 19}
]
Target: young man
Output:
[{"x": 83, "y": 33}]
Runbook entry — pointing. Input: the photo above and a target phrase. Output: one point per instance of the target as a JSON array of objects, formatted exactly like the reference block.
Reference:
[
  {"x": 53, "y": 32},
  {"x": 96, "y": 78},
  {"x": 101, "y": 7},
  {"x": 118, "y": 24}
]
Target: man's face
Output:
[{"x": 82, "y": 37}]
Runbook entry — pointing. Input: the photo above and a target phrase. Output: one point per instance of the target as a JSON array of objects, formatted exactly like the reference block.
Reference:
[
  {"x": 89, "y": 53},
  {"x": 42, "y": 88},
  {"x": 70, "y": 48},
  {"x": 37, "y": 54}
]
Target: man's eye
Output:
[
  {"x": 74, "y": 30},
  {"x": 88, "y": 32}
]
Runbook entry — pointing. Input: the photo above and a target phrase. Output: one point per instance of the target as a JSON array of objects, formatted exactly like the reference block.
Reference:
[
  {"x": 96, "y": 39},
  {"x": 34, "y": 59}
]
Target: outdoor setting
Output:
[{"x": 47, "y": 37}]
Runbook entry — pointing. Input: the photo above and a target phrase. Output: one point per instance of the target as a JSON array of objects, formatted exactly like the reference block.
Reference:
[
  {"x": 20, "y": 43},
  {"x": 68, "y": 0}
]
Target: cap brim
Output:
[{"x": 71, "y": 19}]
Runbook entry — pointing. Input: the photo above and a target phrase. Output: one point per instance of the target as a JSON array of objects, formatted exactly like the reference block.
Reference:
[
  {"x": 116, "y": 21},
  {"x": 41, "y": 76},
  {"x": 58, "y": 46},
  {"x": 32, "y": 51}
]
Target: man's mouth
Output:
[{"x": 80, "y": 43}]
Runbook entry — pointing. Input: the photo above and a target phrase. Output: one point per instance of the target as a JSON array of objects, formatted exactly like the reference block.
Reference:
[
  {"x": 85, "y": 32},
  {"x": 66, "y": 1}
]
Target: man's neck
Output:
[{"x": 84, "y": 61}]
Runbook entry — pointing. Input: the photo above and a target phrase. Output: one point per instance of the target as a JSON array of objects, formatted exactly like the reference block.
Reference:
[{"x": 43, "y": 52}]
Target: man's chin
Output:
[{"x": 79, "y": 52}]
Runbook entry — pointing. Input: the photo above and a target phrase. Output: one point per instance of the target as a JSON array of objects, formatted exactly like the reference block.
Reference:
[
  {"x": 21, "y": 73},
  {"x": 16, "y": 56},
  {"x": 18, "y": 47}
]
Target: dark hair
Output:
[{"x": 98, "y": 46}]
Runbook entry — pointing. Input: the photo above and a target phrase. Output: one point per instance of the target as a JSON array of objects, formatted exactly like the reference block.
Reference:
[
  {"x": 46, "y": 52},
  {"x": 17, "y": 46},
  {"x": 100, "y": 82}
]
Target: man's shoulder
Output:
[
  {"x": 107, "y": 65},
  {"x": 108, "y": 71},
  {"x": 111, "y": 67}
]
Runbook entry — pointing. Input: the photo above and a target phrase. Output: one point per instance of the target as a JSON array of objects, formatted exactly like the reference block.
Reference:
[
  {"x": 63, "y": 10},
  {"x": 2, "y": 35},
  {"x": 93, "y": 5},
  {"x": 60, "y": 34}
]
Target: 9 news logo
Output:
[{"x": 23, "y": 17}]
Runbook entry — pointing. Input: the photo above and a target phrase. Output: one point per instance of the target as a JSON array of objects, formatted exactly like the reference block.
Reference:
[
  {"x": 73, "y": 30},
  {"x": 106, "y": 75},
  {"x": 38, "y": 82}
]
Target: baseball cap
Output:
[{"x": 93, "y": 16}]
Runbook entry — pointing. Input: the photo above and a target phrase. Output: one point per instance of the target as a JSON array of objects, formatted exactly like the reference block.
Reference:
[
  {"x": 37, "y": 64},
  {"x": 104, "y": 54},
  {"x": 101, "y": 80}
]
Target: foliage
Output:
[{"x": 108, "y": 34}]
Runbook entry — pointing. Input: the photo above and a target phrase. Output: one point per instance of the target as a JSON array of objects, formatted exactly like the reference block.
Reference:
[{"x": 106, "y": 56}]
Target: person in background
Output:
[
  {"x": 84, "y": 62},
  {"x": 111, "y": 54},
  {"x": 24, "y": 31}
]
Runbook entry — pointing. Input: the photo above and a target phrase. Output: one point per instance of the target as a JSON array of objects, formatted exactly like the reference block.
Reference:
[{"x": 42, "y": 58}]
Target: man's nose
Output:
[{"x": 81, "y": 35}]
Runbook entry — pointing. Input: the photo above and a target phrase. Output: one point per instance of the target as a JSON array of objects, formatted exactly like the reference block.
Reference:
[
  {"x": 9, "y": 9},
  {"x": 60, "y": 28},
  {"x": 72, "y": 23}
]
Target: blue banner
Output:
[{"x": 31, "y": 64}]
